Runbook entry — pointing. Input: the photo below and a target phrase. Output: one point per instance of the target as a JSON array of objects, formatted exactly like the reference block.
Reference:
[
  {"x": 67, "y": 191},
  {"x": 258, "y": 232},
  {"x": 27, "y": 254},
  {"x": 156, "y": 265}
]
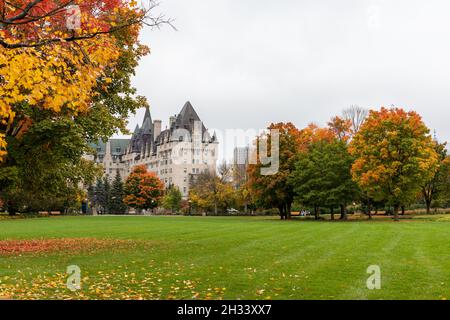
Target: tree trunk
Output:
[
  {"x": 332, "y": 213},
  {"x": 281, "y": 209},
  {"x": 403, "y": 210},
  {"x": 288, "y": 211},
  {"x": 428, "y": 206},
  {"x": 12, "y": 210},
  {"x": 343, "y": 212},
  {"x": 396, "y": 207},
  {"x": 215, "y": 208},
  {"x": 316, "y": 212}
]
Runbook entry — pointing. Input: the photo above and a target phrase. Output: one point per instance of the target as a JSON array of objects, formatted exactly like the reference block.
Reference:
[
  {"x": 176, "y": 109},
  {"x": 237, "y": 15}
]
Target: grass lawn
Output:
[{"x": 228, "y": 258}]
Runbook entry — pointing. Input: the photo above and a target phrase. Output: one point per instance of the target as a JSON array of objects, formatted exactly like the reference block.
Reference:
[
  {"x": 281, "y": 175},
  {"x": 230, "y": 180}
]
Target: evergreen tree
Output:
[
  {"x": 106, "y": 203},
  {"x": 99, "y": 194},
  {"x": 117, "y": 194}
]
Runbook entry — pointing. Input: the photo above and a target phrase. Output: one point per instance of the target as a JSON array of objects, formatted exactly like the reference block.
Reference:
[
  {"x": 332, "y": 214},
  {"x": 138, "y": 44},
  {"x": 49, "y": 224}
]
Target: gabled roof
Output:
[{"x": 186, "y": 118}]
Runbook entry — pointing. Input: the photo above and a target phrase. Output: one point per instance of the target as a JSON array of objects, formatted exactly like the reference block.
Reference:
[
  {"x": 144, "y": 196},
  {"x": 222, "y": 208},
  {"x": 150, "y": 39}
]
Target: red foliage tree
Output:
[{"x": 143, "y": 189}]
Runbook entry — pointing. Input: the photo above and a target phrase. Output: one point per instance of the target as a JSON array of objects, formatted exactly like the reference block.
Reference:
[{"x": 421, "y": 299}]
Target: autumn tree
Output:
[
  {"x": 394, "y": 155},
  {"x": 212, "y": 191},
  {"x": 275, "y": 191},
  {"x": 314, "y": 133},
  {"x": 244, "y": 198},
  {"x": 143, "y": 189},
  {"x": 80, "y": 78},
  {"x": 172, "y": 199},
  {"x": 342, "y": 128},
  {"x": 434, "y": 188},
  {"x": 50, "y": 62}
]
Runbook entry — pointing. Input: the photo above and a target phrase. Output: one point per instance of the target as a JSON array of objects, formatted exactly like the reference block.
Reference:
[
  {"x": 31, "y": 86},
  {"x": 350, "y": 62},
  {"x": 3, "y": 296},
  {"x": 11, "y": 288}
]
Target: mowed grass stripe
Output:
[{"x": 254, "y": 257}]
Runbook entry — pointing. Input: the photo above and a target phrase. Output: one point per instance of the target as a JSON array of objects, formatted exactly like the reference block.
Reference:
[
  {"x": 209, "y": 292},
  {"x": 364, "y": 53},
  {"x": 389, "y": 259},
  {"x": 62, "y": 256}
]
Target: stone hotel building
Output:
[{"x": 178, "y": 153}]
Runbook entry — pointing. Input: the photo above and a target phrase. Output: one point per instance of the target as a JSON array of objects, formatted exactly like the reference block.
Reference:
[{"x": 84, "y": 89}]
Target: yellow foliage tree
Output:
[{"x": 395, "y": 156}]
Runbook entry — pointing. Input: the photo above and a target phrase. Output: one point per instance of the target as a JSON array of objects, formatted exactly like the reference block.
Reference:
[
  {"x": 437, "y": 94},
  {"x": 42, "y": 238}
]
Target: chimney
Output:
[{"x": 156, "y": 129}]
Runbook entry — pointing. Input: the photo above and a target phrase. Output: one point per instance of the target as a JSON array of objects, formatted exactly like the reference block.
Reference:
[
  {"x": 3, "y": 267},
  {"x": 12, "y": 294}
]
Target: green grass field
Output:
[{"x": 230, "y": 258}]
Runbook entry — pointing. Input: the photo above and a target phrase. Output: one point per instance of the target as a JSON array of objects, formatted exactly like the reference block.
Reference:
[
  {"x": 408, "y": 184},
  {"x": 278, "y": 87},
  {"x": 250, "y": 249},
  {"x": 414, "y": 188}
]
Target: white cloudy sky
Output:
[{"x": 245, "y": 63}]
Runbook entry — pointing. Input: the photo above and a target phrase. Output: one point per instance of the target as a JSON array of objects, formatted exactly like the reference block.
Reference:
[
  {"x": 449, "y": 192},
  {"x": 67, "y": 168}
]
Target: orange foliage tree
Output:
[
  {"x": 274, "y": 191},
  {"x": 342, "y": 128},
  {"x": 143, "y": 189},
  {"x": 395, "y": 156}
]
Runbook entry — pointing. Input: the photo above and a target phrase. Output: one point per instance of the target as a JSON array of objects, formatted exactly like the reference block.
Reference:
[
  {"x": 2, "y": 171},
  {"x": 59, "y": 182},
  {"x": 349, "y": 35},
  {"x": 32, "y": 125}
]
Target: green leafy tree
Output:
[
  {"x": 172, "y": 199},
  {"x": 436, "y": 187},
  {"x": 322, "y": 177},
  {"x": 44, "y": 168}
]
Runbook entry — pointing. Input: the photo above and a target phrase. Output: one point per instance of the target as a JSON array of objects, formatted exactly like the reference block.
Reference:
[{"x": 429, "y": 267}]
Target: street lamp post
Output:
[{"x": 190, "y": 207}]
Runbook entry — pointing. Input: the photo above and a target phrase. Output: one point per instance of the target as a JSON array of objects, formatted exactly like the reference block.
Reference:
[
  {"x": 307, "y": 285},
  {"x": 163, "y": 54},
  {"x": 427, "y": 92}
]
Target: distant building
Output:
[
  {"x": 175, "y": 154},
  {"x": 240, "y": 166},
  {"x": 240, "y": 156}
]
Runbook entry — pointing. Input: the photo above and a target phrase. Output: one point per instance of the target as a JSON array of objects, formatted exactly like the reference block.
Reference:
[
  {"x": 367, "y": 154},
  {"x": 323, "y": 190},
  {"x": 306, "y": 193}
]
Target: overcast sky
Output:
[{"x": 246, "y": 63}]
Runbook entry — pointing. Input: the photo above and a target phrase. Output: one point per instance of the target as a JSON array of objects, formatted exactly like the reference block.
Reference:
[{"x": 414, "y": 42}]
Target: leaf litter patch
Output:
[{"x": 37, "y": 246}]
